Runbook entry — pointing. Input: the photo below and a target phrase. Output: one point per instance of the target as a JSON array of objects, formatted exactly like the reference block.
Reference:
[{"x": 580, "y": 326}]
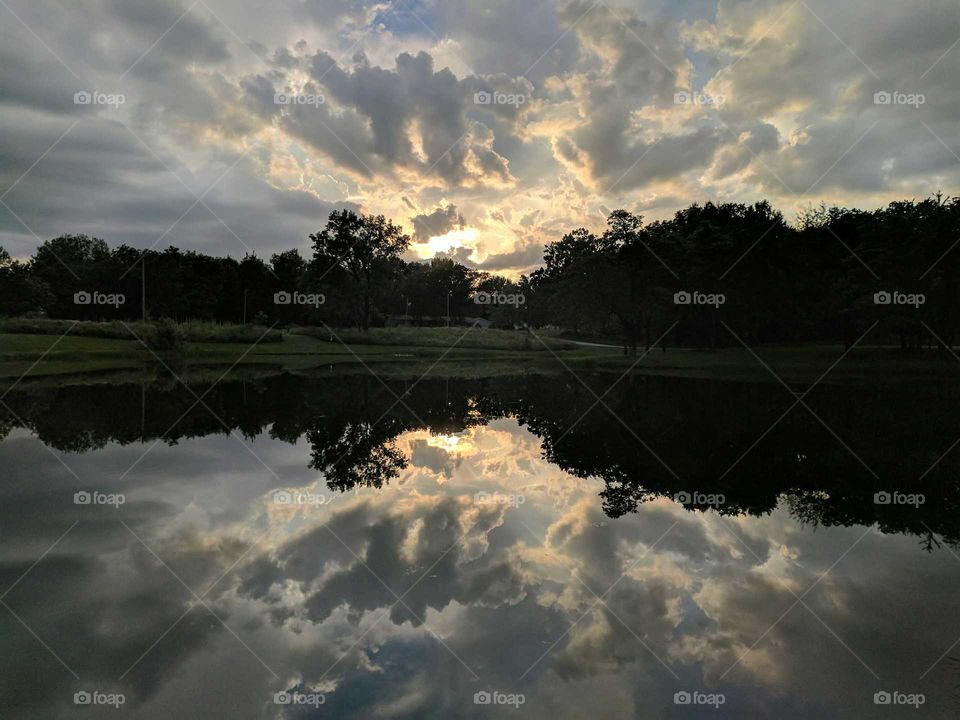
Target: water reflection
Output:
[
  {"x": 467, "y": 540},
  {"x": 652, "y": 437}
]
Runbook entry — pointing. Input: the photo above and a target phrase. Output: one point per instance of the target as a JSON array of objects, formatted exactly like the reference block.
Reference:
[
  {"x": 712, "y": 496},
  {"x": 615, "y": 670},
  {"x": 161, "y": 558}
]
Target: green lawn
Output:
[
  {"x": 441, "y": 337},
  {"x": 792, "y": 364},
  {"x": 56, "y": 354},
  {"x": 454, "y": 350},
  {"x": 30, "y": 347}
]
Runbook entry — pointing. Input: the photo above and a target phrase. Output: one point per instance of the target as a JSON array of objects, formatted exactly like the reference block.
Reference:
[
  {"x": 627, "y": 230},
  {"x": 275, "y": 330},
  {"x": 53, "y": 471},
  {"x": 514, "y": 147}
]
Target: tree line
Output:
[
  {"x": 355, "y": 277},
  {"x": 710, "y": 272},
  {"x": 717, "y": 269}
]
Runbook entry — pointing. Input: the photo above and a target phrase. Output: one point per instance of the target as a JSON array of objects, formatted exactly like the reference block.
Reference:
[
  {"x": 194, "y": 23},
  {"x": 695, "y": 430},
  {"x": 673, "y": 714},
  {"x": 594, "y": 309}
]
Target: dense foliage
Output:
[{"x": 816, "y": 280}]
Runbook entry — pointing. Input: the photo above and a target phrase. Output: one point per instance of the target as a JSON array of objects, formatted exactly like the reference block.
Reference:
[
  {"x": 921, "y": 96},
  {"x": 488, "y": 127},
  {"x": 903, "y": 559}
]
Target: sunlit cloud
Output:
[
  {"x": 417, "y": 114},
  {"x": 455, "y": 239}
]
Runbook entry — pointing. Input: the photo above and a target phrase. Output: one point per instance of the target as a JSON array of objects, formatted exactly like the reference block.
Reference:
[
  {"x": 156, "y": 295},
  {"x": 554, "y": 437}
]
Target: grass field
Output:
[
  {"x": 59, "y": 354},
  {"x": 442, "y": 337},
  {"x": 803, "y": 365},
  {"x": 460, "y": 351}
]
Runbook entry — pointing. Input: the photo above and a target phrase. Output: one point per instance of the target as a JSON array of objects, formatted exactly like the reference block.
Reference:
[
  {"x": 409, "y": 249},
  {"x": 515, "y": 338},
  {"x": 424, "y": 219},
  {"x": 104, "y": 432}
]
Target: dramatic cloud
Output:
[
  {"x": 439, "y": 222},
  {"x": 390, "y": 601},
  {"x": 526, "y": 118}
]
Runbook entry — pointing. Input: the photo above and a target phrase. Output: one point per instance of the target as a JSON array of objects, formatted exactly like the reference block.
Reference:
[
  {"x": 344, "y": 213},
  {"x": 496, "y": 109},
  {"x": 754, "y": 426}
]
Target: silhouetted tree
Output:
[{"x": 361, "y": 248}]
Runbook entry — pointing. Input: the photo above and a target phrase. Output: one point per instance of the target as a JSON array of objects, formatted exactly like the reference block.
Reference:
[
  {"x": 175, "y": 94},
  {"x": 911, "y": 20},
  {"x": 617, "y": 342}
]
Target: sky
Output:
[{"x": 486, "y": 129}]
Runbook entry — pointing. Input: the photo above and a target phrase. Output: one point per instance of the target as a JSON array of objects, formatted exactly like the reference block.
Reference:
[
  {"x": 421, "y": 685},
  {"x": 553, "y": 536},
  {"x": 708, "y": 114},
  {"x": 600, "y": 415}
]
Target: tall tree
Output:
[{"x": 362, "y": 247}]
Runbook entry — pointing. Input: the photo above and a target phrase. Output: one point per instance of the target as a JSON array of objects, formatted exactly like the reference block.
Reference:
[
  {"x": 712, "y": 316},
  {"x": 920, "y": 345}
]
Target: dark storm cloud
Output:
[
  {"x": 438, "y": 222},
  {"x": 433, "y": 458},
  {"x": 186, "y": 36},
  {"x": 386, "y": 571},
  {"x": 378, "y": 113},
  {"x": 102, "y": 181},
  {"x": 645, "y": 57},
  {"x": 526, "y": 255}
]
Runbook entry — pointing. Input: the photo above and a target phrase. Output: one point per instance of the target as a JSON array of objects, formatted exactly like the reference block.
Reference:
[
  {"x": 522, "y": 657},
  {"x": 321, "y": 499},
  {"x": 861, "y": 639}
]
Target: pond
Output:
[{"x": 345, "y": 546}]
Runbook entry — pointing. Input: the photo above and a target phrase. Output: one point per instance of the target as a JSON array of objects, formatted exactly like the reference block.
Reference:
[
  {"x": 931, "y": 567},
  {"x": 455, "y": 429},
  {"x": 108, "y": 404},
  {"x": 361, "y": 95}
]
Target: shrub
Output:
[{"x": 166, "y": 336}]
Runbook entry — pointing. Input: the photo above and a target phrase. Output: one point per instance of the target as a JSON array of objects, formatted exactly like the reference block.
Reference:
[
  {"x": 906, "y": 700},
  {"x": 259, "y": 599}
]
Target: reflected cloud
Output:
[{"x": 404, "y": 595}]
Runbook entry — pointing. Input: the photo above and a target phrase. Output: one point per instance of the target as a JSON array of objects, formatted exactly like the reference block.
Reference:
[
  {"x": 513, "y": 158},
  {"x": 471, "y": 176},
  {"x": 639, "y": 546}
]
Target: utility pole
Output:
[
  {"x": 244, "y": 306},
  {"x": 143, "y": 285}
]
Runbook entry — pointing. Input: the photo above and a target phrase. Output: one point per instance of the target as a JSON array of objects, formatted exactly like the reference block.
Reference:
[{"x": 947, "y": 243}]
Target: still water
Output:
[{"x": 344, "y": 547}]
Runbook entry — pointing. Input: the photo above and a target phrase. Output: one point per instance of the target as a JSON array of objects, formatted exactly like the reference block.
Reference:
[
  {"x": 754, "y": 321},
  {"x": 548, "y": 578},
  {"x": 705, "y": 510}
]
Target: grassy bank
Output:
[
  {"x": 193, "y": 331},
  {"x": 458, "y": 351},
  {"x": 99, "y": 347},
  {"x": 439, "y": 337}
]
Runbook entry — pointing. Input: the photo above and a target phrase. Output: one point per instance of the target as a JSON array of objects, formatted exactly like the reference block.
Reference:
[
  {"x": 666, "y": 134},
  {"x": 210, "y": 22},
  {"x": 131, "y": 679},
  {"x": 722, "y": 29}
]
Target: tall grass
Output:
[{"x": 191, "y": 331}]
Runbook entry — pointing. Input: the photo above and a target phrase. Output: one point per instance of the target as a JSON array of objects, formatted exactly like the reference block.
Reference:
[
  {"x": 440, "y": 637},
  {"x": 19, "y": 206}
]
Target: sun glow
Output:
[
  {"x": 465, "y": 237},
  {"x": 449, "y": 443}
]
